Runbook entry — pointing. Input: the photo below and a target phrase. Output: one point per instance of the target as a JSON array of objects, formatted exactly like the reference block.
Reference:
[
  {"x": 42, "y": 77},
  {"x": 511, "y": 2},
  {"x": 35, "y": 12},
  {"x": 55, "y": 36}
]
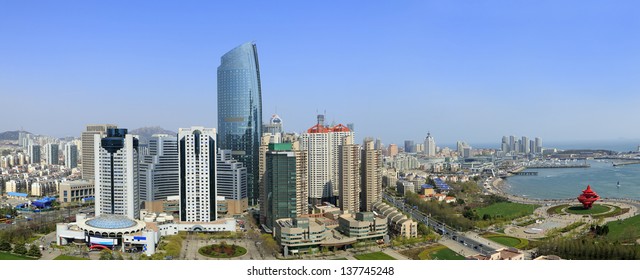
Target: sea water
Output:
[{"x": 560, "y": 183}]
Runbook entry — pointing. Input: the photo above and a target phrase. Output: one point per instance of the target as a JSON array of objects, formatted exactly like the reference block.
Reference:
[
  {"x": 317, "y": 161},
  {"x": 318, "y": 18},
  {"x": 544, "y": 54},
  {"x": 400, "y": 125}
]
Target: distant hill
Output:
[
  {"x": 145, "y": 133},
  {"x": 9, "y": 135}
]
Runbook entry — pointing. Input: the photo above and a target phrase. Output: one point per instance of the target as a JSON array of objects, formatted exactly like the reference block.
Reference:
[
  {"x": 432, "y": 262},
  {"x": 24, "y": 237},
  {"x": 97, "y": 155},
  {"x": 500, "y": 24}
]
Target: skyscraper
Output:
[
  {"x": 197, "y": 152},
  {"x": 71, "y": 155},
  {"x": 274, "y": 126},
  {"x": 88, "y": 157},
  {"x": 504, "y": 146},
  {"x": 371, "y": 176},
  {"x": 349, "y": 182},
  {"x": 393, "y": 150},
  {"x": 322, "y": 146},
  {"x": 159, "y": 174},
  {"x": 429, "y": 146},
  {"x": 240, "y": 110},
  {"x": 116, "y": 174},
  {"x": 285, "y": 183},
  {"x": 525, "y": 145},
  {"x": 538, "y": 145},
  {"x": 52, "y": 153}
]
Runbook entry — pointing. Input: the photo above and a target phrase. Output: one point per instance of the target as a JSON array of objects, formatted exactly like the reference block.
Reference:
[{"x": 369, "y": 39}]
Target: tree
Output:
[
  {"x": 20, "y": 249},
  {"x": 422, "y": 229},
  {"x": 5, "y": 246},
  {"x": 34, "y": 251},
  {"x": 106, "y": 255}
]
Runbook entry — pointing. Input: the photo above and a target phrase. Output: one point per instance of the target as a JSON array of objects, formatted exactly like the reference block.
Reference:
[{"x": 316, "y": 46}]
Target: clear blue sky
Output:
[{"x": 464, "y": 70}]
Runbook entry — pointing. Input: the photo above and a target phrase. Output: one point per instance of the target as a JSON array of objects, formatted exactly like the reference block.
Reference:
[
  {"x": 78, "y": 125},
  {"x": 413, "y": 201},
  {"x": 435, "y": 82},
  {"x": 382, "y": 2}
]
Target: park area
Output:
[
  {"x": 506, "y": 240},
  {"x": 627, "y": 230},
  {"x": 9, "y": 256},
  {"x": 374, "y": 256},
  {"x": 435, "y": 252},
  {"x": 505, "y": 210},
  {"x": 222, "y": 250}
]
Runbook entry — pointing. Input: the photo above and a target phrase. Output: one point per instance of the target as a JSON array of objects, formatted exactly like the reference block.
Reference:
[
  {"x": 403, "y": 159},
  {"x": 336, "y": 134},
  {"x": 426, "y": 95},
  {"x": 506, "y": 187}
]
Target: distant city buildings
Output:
[
  {"x": 197, "y": 153},
  {"x": 240, "y": 110},
  {"x": 409, "y": 146},
  {"x": 429, "y": 146},
  {"x": 521, "y": 146},
  {"x": 34, "y": 153}
]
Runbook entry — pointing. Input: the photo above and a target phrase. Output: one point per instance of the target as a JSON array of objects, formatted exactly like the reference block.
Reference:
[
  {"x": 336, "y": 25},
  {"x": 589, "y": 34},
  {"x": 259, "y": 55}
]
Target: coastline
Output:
[{"x": 498, "y": 187}]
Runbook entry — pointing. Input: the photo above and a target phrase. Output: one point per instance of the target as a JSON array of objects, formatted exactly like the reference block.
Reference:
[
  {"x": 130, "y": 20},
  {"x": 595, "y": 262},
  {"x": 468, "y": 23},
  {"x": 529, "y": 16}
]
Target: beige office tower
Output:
[
  {"x": 371, "y": 175},
  {"x": 302, "y": 183},
  {"x": 262, "y": 168},
  {"x": 88, "y": 154},
  {"x": 349, "y": 184}
]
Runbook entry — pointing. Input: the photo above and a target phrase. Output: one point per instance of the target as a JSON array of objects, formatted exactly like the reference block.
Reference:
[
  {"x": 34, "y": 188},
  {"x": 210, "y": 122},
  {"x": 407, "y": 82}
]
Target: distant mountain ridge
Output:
[
  {"x": 145, "y": 133},
  {"x": 10, "y": 135}
]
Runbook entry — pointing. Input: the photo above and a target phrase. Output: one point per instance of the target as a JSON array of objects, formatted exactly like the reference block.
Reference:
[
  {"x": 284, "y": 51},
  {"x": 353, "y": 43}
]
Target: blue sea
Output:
[{"x": 558, "y": 183}]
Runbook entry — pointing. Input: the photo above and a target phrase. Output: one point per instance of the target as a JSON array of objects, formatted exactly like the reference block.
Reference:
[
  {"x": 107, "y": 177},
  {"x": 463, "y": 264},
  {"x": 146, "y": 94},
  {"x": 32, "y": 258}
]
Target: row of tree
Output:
[
  {"x": 586, "y": 248},
  {"x": 21, "y": 249},
  {"x": 440, "y": 211}
]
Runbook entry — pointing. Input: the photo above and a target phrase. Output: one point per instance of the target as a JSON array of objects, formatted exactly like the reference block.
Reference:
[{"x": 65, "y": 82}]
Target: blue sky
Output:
[{"x": 463, "y": 70}]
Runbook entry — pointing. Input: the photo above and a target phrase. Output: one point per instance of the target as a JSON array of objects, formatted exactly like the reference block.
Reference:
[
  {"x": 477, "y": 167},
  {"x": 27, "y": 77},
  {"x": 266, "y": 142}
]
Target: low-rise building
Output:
[
  {"x": 500, "y": 254},
  {"x": 365, "y": 225},
  {"x": 399, "y": 224},
  {"x": 75, "y": 192}
]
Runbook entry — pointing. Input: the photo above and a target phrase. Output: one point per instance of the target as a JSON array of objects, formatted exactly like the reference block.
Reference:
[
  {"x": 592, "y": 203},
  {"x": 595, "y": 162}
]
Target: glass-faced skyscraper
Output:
[{"x": 240, "y": 110}]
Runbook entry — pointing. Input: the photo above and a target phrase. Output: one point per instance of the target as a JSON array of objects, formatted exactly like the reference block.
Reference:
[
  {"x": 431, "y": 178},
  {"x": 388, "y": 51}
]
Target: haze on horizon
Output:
[{"x": 462, "y": 70}]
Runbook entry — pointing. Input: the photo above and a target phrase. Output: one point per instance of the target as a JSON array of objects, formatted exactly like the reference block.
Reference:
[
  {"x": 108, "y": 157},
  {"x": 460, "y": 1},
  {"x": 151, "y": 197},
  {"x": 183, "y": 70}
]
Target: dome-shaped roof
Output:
[{"x": 111, "y": 222}]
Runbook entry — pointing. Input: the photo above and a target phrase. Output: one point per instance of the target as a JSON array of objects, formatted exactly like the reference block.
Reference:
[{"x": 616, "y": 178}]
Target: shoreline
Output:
[{"x": 497, "y": 187}]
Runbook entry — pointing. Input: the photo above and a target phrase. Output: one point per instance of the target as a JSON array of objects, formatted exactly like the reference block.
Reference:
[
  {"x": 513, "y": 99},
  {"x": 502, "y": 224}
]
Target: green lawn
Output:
[
  {"x": 9, "y": 256},
  {"x": 626, "y": 230},
  {"x": 439, "y": 252},
  {"x": 69, "y": 258},
  {"x": 557, "y": 209},
  {"x": 595, "y": 209},
  {"x": 506, "y": 240},
  {"x": 374, "y": 256},
  {"x": 506, "y": 210}
]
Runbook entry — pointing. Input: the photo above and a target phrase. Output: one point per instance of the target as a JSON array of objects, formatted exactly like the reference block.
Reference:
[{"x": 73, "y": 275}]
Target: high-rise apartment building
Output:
[
  {"x": 504, "y": 146},
  {"x": 116, "y": 173},
  {"x": 71, "y": 155},
  {"x": 349, "y": 181},
  {"x": 159, "y": 169},
  {"x": 371, "y": 176},
  {"x": 429, "y": 146},
  {"x": 88, "y": 157},
  {"x": 52, "y": 153},
  {"x": 322, "y": 146},
  {"x": 525, "y": 148},
  {"x": 232, "y": 182},
  {"x": 538, "y": 145},
  {"x": 34, "y": 153},
  {"x": 393, "y": 150},
  {"x": 197, "y": 152},
  {"x": 240, "y": 110},
  {"x": 285, "y": 183}
]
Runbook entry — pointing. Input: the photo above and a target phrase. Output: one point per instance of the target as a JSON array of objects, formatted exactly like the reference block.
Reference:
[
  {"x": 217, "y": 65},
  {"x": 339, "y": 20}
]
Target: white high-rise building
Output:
[
  {"x": 123, "y": 148},
  {"x": 159, "y": 169},
  {"x": 322, "y": 145},
  {"x": 429, "y": 146},
  {"x": 197, "y": 152}
]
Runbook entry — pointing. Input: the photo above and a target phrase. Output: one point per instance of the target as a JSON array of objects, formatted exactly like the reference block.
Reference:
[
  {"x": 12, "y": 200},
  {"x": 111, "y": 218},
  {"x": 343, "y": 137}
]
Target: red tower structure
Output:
[{"x": 588, "y": 197}]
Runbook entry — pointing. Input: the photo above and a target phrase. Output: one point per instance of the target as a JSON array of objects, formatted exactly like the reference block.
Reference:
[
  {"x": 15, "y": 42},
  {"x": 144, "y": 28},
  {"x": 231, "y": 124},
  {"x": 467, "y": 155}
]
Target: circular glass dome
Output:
[{"x": 111, "y": 222}]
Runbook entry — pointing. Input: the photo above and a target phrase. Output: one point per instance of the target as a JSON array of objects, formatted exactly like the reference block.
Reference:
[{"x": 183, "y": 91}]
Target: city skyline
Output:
[{"x": 420, "y": 67}]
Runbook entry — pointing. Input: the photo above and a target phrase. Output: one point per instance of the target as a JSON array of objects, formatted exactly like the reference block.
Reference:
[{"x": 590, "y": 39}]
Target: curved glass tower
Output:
[{"x": 240, "y": 110}]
